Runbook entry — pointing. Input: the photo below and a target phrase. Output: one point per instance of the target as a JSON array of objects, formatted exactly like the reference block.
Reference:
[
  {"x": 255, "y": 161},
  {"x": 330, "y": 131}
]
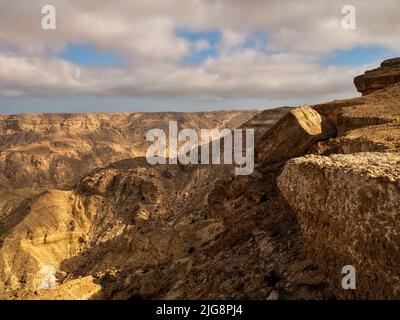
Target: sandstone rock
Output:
[
  {"x": 379, "y": 107},
  {"x": 348, "y": 209},
  {"x": 293, "y": 135},
  {"x": 369, "y": 123},
  {"x": 387, "y": 74},
  {"x": 394, "y": 62}
]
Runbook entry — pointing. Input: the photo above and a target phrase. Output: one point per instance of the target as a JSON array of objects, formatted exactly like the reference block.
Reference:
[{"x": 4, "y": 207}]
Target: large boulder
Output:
[
  {"x": 387, "y": 74},
  {"x": 293, "y": 135},
  {"x": 348, "y": 210}
]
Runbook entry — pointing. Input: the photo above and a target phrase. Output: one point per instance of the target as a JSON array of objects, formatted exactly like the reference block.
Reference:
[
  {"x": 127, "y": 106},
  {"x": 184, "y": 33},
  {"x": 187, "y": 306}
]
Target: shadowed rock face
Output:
[{"x": 387, "y": 74}]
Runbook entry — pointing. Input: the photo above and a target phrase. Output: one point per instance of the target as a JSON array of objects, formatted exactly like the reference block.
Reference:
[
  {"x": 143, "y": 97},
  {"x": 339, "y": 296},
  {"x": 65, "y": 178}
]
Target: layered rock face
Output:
[{"x": 387, "y": 74}]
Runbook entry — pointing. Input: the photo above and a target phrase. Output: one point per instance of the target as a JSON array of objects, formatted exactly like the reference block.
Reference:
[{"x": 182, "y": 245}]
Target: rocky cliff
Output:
[
  {"x": 346, "y": 195},
  {"x": 387, "y": 74},
  {"x": 347, "y": 206}
]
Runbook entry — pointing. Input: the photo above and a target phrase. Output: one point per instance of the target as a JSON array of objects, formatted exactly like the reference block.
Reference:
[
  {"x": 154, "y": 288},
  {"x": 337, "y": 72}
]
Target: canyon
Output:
[{"x": 77, "y": 194}]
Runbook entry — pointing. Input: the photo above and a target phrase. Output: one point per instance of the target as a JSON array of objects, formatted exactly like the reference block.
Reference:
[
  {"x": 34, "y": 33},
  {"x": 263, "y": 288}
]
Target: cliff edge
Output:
[{"x": 346, "y": 191}]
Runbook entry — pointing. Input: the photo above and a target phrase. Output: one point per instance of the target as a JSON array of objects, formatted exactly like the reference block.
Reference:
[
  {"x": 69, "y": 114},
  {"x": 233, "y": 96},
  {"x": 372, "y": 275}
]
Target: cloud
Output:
[
  {"x": 147, "y": 27},
  {"x": 248, "y": 73},
  {"x": 26, "y": 74},
  {"x": 298, "y": 35},
  {"x": 201, "y": 45},
  {"x": 232, "y": 39}
]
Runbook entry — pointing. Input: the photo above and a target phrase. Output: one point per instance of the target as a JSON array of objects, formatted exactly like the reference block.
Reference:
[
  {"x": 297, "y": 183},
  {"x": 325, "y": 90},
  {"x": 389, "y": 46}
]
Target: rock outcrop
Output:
[
  {"x": 387, "y": 74},
  {"x": 294, "y": 133},
  {"x": 368, "y": 123},
  {"x": 348, "y": 209},
  {"x": 347, "y": 197}
]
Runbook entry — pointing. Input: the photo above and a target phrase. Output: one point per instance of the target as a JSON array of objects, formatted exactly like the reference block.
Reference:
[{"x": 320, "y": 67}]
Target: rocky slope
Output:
[
  {"x": 324, "y": 194},
  {"x": 121, "y": 221}
]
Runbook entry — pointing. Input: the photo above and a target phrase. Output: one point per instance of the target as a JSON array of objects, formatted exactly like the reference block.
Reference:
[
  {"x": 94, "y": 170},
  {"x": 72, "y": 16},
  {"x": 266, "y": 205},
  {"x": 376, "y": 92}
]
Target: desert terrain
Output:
[{"x": 78, "y": 195}]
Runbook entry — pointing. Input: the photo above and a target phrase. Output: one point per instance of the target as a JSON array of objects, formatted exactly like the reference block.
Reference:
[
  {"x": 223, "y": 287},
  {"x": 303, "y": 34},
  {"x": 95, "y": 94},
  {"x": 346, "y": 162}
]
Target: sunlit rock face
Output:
[
  {"x": 347, "y": 207},
  {"x": 387, "y": 74}
]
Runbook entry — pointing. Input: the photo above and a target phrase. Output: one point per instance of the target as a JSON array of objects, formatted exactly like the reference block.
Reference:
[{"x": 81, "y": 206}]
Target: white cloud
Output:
[
  {"x": 232, "y": 39},
  {"x": 143, "y": 32},
  {"x": 248, "y": 73}
]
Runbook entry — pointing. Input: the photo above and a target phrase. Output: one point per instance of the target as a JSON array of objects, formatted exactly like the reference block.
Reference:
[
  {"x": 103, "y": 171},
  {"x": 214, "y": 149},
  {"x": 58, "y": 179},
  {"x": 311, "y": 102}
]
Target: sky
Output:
[{"x": 188, "y": 55}]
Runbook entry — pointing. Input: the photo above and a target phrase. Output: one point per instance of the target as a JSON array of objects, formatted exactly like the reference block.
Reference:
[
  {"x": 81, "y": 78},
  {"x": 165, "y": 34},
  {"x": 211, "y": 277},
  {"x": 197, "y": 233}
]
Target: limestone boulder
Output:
[
  {"x": 348, "y": 210},
  {"x": 293, "y": 134}
]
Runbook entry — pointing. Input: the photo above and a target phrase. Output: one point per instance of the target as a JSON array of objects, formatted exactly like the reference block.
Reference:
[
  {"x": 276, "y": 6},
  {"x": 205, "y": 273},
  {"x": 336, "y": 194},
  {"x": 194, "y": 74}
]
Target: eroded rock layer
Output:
[{"x": 387, "y": 74}]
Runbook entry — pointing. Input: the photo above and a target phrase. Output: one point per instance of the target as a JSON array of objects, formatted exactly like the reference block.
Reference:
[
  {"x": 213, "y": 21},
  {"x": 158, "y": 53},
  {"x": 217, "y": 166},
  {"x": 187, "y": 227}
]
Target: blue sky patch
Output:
[
  {"x": 85, "y": 55},
  {"x": 358, "y": 56},
  {"x": 213, "y": 37}
]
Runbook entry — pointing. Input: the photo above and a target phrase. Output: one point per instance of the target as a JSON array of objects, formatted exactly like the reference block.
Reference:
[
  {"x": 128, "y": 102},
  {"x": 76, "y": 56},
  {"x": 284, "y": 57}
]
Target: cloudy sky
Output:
[{"x": 187, "y": 55}]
